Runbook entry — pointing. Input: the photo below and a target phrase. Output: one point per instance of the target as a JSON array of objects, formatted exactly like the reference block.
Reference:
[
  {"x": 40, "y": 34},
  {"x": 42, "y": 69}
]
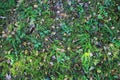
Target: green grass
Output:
[{"x": 81, "y": 43}]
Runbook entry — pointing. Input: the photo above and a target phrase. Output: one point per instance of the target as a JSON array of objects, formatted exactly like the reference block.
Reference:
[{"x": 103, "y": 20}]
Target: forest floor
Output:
[{"x": 60, "y": 40}]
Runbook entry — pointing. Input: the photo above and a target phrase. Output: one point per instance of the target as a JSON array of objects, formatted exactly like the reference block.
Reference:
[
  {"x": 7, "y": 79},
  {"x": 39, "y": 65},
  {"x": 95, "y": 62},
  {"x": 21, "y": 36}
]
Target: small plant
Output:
[{"x": 86, "y": 61}]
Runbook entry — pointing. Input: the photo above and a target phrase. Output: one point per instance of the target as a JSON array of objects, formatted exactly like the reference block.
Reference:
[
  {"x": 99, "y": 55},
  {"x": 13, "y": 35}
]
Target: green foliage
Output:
[
  {"x": 77, "y": 41},
  {"x": 5, "y": 5},
  {"x": 86, "y": 61}
]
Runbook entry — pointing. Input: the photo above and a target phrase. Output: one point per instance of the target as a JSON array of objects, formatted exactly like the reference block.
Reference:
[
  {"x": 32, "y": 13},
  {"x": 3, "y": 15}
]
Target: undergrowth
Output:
[{"x": 60, "y": 40}]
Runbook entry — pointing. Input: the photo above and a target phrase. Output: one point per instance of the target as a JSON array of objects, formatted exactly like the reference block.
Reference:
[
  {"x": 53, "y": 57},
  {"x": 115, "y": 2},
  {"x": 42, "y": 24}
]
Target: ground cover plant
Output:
[{"x": 59, "y": 40}]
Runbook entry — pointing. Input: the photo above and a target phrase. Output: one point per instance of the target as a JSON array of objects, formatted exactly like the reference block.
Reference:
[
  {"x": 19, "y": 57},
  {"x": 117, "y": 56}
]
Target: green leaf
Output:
[
  {"x": 100, "y": 16},
  {"x": 116, "y": 42},
  {"x": 108, "y": 29}
]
